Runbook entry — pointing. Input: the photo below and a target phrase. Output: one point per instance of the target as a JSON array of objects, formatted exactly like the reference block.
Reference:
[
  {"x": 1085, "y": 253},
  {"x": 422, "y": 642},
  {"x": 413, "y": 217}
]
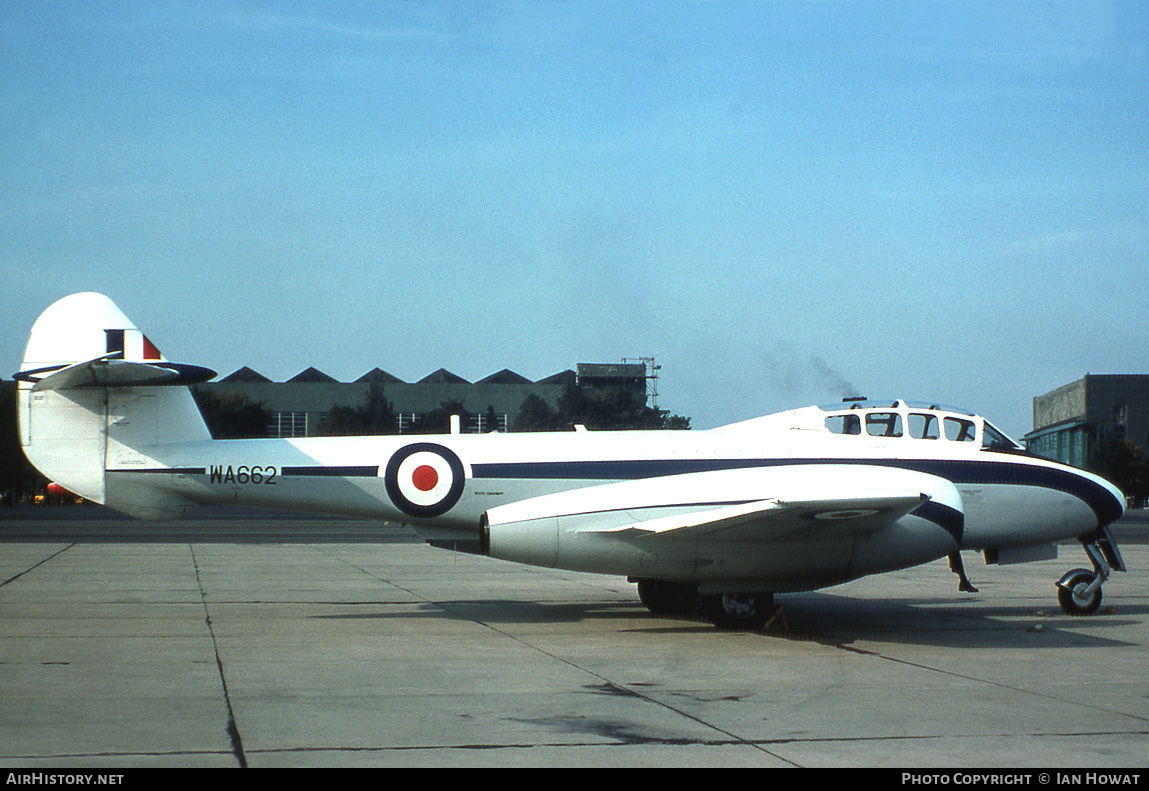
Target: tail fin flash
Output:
[
  {"x": 95, "y": 394},
  {"x": 86, "y": 341},
  {"x": 84, "y": 327}
]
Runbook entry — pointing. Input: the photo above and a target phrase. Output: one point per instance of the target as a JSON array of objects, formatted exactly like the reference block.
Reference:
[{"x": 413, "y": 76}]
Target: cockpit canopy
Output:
[{"x": 901, "y": 420}]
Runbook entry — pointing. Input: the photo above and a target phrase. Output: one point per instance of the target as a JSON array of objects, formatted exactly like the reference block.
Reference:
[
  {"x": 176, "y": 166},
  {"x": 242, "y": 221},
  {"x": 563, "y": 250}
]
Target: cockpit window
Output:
[
  {"x": 992, "y": 439},
  {"x": 844, "y": 424},
  {"x": 916, "y": 425},
  {"x": 923, "y": 426},
  {"x": 884, "y": 424},
  {"x": 959, "y": 430}
]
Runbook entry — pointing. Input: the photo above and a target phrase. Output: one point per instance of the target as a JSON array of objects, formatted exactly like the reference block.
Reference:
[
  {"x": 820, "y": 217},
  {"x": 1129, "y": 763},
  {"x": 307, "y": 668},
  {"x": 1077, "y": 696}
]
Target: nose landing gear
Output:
[{"x": 1079, "y": 591}]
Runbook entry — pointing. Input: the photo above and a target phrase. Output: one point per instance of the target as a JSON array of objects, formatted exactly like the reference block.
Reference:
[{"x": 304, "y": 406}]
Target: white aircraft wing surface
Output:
[
  {"x": 774, "y": 520},
  {"x": 783, "y": 503}
]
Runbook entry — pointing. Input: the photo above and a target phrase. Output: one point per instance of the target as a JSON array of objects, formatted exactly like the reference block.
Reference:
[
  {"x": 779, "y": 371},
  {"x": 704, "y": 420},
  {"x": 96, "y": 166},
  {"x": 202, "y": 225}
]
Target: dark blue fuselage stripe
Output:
[
  {"x": 320, "y": 472},
  {"x": 958, "y": 471},
  {"x": 333, "y": 472},
  {"x": 949, "y": 519},
  {"x": 166, "y": 470}
]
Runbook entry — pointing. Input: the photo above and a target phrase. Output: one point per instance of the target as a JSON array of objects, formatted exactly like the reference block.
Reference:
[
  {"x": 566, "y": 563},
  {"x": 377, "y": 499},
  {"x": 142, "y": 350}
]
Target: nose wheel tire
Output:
[
  {"x": 1077, "y": 594},
  {"x": 741, "y": 611}
]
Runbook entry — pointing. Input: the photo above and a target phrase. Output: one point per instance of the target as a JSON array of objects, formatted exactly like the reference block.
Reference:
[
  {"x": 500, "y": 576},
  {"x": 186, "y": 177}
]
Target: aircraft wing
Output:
[
  {"x": 764, "y": 504},
  {"x": 777, "y": 520}
]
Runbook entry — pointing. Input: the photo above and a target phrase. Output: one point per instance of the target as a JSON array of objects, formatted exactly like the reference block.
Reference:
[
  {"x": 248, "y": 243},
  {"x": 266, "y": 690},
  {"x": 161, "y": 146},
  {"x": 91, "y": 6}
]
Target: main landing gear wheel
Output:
[
  {"x": 668, "y": 598},
  {"x": 741, "y": 611},
  {"x": 1079, "y": 592}
]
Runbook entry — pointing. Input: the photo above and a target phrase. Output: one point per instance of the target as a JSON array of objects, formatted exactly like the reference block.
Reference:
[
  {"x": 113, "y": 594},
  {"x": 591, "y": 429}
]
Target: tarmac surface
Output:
[{"x": 284, "y": 641}]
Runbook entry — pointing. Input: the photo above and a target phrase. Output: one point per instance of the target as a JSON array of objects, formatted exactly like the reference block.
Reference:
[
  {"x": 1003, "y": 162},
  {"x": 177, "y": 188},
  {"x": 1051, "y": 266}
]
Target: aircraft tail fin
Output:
[{"x": 95, "y": 394}]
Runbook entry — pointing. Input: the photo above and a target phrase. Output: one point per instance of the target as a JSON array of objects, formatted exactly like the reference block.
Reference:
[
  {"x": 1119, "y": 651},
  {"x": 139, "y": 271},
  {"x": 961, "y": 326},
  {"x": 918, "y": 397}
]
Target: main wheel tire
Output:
[
  {"x": 668, "y": 598},
  {"x": 741, "y": 611},
  {"x": 1071, "y": 593}
]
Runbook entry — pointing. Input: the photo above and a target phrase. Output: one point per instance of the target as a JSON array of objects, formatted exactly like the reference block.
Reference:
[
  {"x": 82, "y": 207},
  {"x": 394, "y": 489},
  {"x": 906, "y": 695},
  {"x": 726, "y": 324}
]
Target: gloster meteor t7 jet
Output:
[{"x": 724, "y": 518}]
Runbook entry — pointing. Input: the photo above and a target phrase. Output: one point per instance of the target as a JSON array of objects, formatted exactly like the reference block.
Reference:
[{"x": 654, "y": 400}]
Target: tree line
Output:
[{"x": 1124, "y": 465}]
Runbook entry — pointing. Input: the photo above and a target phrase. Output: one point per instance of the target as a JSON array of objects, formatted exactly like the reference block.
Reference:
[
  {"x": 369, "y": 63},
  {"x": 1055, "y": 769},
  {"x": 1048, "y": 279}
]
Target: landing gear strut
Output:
[
  {"x": 1079, "y": 591},
  {"x": 957, "y": 567}
]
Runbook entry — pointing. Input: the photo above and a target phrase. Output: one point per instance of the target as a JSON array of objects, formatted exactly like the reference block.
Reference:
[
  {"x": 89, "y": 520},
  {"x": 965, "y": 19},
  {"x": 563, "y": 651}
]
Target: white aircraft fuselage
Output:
[{"x": 1008, "y": 498}]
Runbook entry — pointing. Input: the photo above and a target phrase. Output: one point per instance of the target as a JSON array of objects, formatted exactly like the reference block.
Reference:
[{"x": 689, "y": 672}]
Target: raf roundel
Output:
[{"x": 424, "y": 479}]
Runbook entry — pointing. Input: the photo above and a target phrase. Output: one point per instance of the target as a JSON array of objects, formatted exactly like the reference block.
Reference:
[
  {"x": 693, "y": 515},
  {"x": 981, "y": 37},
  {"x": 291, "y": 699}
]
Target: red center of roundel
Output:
[{"x": 425, "y": 478}]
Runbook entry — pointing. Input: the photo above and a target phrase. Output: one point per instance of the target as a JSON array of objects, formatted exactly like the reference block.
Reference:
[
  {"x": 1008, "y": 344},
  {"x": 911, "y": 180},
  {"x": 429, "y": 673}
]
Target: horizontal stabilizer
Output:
[{"x": 109, "y": 371}]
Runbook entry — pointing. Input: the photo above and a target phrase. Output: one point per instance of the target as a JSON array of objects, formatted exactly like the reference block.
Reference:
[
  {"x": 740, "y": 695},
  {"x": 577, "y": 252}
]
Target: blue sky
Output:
[{"x": 784, "y": 203}]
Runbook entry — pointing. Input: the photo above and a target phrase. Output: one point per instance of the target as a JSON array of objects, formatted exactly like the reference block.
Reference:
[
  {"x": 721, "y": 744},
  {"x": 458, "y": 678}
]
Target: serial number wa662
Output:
[{"x": 264, "y": 476}]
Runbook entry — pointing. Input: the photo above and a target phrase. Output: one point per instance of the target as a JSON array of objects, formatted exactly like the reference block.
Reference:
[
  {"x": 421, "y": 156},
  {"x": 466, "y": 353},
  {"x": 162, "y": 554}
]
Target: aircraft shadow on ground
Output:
[
  {"x": 823, "y": 618},
  {"x": 953, "y": 623}
]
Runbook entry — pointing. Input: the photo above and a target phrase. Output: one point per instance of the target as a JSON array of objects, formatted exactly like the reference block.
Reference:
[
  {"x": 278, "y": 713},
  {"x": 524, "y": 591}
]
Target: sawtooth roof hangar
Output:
[{"x": 297, "y": 407}]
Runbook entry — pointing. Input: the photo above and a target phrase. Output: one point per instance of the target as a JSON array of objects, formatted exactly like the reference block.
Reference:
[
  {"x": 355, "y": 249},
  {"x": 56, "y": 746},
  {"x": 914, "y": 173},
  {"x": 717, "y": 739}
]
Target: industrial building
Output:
[
  {"x": 1070, "y": 421},
  {"x": 297, "y": 407}
]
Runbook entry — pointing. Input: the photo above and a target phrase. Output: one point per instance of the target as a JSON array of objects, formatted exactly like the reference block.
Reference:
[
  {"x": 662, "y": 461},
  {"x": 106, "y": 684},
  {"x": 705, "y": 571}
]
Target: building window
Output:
[
  {"x": 485, "y": 423},
  {"x": 287, "y": 425},
  {"x": 1120, "y": 421},
  {"x": 407, "y": 422}
]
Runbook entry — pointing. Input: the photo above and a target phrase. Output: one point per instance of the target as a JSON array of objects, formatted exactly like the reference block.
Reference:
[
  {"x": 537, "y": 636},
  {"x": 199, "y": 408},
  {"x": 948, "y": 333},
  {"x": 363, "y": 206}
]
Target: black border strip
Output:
[
  {"x": 365, "y": 471},
  {"x": 309, "y": 472},
  {"x": 170, "y": 470}
]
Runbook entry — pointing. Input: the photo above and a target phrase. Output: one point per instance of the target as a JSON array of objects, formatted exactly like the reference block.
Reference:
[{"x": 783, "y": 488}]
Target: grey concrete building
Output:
[
  {"x": 1068, "y": 422},
  {"x": 298, "y": 406}
]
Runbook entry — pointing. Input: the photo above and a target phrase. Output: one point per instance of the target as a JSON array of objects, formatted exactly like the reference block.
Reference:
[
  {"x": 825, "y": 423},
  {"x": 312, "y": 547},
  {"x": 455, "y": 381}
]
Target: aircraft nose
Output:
[
  {"x": 1120, "y": 497},
  {"x": 1106, "y": 500}
]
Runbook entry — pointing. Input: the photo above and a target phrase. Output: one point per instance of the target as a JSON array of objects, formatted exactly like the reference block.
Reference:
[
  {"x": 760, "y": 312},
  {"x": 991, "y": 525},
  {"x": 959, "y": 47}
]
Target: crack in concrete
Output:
[
  {"x": 38, "y": 565},
  {"x": 231, "y": 728}
]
